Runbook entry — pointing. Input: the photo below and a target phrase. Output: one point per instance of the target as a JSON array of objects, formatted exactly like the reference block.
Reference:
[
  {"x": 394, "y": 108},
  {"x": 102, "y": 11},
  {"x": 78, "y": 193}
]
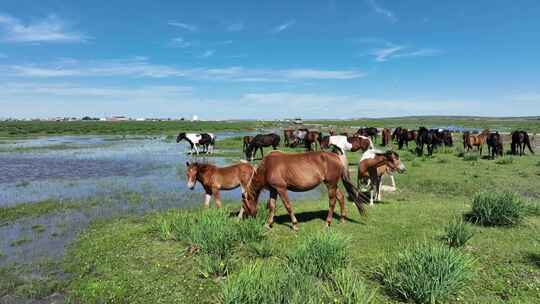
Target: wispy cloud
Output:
[
  {"x": 208, "y": 53},
  {"x": 186, "y": 26},
  {"x": 50, "y": 29},
  {"x": 179, "y": 42},
  {"x": 384, "y": 54},
  {"x": 141, "y": 67},
  {"x": 381, "y": 10},
  {"x": 235, "y": 27},
  {"x": 387, "y": 53},
  {"x": 283, "y": 26}
]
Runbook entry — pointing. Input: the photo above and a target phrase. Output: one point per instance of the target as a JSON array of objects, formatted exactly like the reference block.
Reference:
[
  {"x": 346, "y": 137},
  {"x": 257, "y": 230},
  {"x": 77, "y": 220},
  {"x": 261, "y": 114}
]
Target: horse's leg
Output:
[
  {"x": 379, "y": 193},
  {"x": 285, "y": 198},
  {"x": 341, "y": 200},
  {"x": 217, "y": 197},
  {"x": 272, "y": 208},
  {"x": 207, "y": 197},
  {"x": 332, "y": 189}
]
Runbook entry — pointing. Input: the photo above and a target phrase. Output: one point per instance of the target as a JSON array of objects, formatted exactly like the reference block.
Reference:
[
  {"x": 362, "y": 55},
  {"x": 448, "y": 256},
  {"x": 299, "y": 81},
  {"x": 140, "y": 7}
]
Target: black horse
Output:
[
  {"x": 428, "y": 138},
  {"x": 369, "y": 132},
  {"x": 260, "y": 141},
  {"x": 521, "y": 140},
  {"x": 446, "y": 137},
  {"x": 495, "y": 144},
  {"x": 404, "y": 136}
]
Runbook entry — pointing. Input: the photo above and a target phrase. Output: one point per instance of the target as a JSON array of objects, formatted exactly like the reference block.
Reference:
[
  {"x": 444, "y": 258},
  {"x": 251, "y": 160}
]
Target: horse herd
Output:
[{"x": 280, "y": 172}]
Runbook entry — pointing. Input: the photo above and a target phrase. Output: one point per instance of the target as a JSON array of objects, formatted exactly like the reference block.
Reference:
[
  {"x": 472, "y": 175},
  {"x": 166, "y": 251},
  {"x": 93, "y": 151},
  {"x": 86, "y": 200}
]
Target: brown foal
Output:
[{"x": 213, "y": 179}]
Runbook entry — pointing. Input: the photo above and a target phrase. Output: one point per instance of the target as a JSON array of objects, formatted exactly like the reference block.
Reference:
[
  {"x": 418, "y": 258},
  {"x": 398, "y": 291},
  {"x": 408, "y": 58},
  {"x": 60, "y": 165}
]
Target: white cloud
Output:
[
  {"x": 141, "y": 67},
  {"x": 50, "y": 29},
  {"x": 283, "y": 26},
  {"x": 208, "y": 53},
  {"x": 391, "y": 51},
  {"x": 383, "y": 54},
  {"x": 383, "y": 11},
  {"x": 179, "y": 42},
  {"x": 235, "y": 27},
  {"x": 186, "y": 26}
]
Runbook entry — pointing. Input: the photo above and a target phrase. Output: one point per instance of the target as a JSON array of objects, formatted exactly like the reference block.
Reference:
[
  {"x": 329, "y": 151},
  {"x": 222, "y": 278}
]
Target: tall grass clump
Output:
[
  {"x": 457, "y": 233},
  {"x": 505, "y": 160},
  {"x": 347, "y": 287},
  {"x": 459, "y": 152},
  {"x": 320, "y": 254},
  {"x": 426, "y": 273},
  {"x": 213, "y": 232},
  {"x": 496, "y": 209},
  {"x": 262, "y": 249},
  {"x": 470, "y": 157},
  {"x": 252, "y": 229},
  {"x": 270, "y": 283},
  {"x": 172, "y": 225}
]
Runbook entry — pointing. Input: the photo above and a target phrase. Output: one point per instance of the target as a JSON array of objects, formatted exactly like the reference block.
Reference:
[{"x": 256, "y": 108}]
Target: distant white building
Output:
[{"x": 195, "y": 118}]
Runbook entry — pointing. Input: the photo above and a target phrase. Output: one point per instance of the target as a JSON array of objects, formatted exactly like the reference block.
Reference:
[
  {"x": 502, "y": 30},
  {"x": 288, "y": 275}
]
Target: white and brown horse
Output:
[{"x": 214, "y": 179}]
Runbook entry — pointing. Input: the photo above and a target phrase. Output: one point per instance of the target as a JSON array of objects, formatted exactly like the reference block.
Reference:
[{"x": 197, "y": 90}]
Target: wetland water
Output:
[{"x": 104, "y": 176}]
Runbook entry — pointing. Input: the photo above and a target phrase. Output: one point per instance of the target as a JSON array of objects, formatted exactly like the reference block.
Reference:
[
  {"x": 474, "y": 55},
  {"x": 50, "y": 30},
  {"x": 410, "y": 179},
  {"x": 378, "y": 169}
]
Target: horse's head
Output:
[
  {"x": 191, "y": 174},
  {"x": 393, "y": 162},
  {"x": 180, "y": 136}
]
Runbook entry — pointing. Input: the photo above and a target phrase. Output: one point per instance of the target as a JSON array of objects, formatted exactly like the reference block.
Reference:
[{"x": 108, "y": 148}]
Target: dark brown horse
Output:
[
  {"x": 477, "y": 141},
  {"x": 246, "y": 140},
  {"x": 385, "y": 137},
  {"x": 213, "y": 179},
  {"x": 324, "y": 142},
  {"x": 312, "y": 137},
  {"x": 404, "y": 137},
  {"x": 520, "y": 140},
  {"x": 495, "y": 144},
  {"x": 370, "y": 132},
  {"x": 300, "y": 172},
  {"x": 288, "y": 137},
  {"x": 260, "y": 141}
]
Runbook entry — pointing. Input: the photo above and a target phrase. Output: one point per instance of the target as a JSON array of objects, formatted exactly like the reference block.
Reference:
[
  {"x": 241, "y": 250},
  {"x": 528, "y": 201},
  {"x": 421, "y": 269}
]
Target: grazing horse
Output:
[
  {"x": 324, "y": 142},
  {"x": 466, "y": 145},
  {"x": 213, "y": 179},
  {"x": 299, "y": 172},
  {"x": 369, "y": 132},
  {"x": 396, "y": 133},
  {"x": 246, "y": 140},
  {"x": 288, "y": 137},
  {"x": 373, "y": 165},
  {"x": 428, "y": 138},
  {"x": 446, "y": 137},
  {"x": 206, "y": 140},
  {"x": 385, "y": 140},
  {"x": 299, "y": 136},
  {"x": 495, "y": 144},
  {"x": 520, "y": 139},
  {"x": 477, "y": 141},
  {"x": 260, "y": 141},
  {"x": 404, "y": 136},
  {"x": 312, "y": 137},
  {"x": 354, "y": 143}
]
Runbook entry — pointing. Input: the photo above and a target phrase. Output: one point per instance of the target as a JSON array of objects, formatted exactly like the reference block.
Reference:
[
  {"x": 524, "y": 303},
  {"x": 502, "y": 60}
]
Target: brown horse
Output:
[
  {"x": 477, "y": 140},
  {"x": 373, "y": 166},
  {"x": 300, "y": 172},
  {"x": 213, "y": 179},
  {"x": 520, "y": 141},
  {"x": 246, "y": 140},
  {"x": 324, "y": 142},
  {"x": 312, "y": 137},
  {"x": 385, "y": 137}
]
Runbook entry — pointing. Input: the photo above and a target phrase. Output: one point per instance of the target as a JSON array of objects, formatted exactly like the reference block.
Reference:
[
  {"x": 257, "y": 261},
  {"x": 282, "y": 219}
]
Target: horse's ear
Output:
[{"x": 187, "y": 164}]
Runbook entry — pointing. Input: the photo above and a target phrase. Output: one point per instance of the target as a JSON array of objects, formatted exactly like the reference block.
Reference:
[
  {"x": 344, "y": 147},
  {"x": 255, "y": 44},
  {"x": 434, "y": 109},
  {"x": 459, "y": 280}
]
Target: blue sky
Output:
[{"x": 269, "y": 59}]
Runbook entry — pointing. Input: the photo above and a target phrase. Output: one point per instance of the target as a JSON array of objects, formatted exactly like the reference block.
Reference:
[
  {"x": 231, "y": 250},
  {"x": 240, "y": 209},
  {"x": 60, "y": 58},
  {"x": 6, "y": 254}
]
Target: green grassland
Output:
[
  {"x": 42, "y": 128},
  {"x": 152, "y": 258}
]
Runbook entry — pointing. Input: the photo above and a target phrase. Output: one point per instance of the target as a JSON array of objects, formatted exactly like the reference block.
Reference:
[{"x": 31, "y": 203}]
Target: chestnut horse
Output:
[
  {"x": 279, "y": 172},
  {"x": 373, "y": 165},
  {"x": 213, "y": 179},
  {"x": 246, "y": 140},
  {"x": 477, "y": 141},
  {"x": 385, "y": 137}
]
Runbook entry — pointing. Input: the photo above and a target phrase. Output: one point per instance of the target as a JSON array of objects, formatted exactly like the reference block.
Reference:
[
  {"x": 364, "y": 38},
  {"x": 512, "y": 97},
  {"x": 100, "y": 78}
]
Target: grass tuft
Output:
[
  {"x": 505, "y": 160},
  {"x": 470, "y": 157},
  {"x": 496, "y": 209},
  {"x": 426, "y": 273},
  {"x": 320, "y": 254},
  {"x": 348, "y": 287},
  {"x": 457, "y": 233},
  {"x": 263, "y": 249}
]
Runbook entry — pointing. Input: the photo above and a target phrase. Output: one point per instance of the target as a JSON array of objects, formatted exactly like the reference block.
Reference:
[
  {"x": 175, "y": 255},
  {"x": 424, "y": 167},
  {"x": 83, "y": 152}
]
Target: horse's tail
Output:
[
  {"x": 528, "y": 143},
  {"x": 353, "y": 193}
]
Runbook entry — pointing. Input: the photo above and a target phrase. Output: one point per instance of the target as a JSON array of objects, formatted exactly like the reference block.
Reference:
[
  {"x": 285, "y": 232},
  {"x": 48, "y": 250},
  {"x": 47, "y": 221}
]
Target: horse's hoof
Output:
[
  {"x": 342, "y": 220},
  {"x": 295, "y": 227},
  {"x": 268, "y": 226}
]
